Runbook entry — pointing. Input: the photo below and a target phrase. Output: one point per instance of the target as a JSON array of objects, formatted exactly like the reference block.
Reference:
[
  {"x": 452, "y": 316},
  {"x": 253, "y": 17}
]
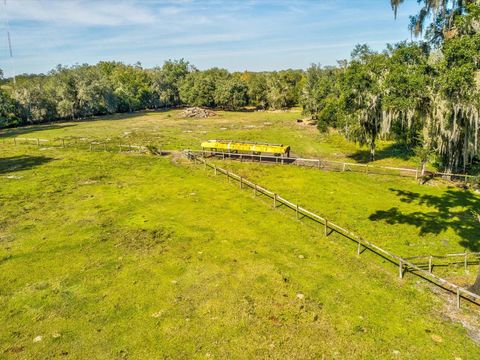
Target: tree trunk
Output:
[
  {"x": 424, "y": 165},
  {"x": 475, "y": 288},
  {"x": 372, "y": 151}
]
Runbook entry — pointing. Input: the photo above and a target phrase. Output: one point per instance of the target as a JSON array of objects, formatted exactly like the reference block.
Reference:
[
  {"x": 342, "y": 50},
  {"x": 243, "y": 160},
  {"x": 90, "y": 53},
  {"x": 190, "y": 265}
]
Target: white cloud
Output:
[{"x": 74, "y": 12}]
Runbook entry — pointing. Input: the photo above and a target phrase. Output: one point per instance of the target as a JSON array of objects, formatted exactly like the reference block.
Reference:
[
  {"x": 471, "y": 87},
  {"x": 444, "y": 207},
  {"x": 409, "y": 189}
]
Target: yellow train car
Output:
[{"x": 236, "y": 147}]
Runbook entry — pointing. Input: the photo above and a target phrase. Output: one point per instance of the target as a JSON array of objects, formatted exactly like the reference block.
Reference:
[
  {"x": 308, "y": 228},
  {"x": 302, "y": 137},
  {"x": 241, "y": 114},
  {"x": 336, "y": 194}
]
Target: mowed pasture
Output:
[{"x": 106, "y": 255}]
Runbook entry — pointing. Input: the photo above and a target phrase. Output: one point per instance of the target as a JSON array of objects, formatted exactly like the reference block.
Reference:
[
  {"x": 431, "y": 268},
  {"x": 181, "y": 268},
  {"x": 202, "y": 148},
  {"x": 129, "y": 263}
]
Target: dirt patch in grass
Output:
[
  {"x": 468, "y": 319},
  {"x": 140, "y": 240},
  {"x": 14, "y": 349}
]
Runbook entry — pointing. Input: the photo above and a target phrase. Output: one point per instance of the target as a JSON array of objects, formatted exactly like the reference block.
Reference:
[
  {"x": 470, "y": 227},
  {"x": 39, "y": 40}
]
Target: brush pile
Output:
[{"x": 197, "y": 112}]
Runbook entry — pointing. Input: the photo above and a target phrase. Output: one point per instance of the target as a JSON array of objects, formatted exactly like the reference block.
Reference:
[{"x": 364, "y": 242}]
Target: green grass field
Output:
[{"x": 123, "y": 256}]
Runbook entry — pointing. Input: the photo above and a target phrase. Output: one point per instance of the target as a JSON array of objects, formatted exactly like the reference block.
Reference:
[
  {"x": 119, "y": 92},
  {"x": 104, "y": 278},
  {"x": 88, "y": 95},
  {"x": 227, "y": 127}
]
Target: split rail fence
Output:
[
  {"x": 339, "y": 166},
  {"x": 85, "y": 144},
  {"x": 464, "y": 259},
  {"x": 404, "y": 264}
]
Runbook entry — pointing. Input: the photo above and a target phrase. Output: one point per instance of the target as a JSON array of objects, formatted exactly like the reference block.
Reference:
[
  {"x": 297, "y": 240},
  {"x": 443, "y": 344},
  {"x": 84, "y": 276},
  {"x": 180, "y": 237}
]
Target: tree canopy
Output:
[{"x": 425, "y": 95}]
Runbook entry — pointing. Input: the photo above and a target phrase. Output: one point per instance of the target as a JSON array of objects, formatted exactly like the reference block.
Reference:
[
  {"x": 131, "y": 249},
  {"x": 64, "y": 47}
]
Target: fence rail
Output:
[
  {"x": 404, "y": 264},
  {"x": 471, "y": 258},
  {"x": 340, "y": 166}
]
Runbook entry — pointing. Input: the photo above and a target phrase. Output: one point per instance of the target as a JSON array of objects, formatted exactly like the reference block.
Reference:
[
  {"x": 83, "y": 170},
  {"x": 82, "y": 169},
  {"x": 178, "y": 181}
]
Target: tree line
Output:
[{"x": 85, "y": 90}]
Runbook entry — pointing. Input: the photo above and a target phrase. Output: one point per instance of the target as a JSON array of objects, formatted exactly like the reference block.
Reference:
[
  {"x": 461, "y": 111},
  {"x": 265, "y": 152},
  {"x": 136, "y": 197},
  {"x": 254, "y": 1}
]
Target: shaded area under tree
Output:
[
  {"x": 25, "y": 130},
  {"x": 22, "y": 162},
  {"x": 398, "y": 151},
  {"x": 456, "y": 210}
]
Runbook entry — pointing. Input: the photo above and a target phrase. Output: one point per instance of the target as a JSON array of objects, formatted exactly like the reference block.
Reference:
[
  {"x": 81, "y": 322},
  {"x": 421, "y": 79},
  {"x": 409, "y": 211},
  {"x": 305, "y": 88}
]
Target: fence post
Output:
[
  {"x": 400, "y": 269},
  {"x": 296, "y": 210},
  {"x": 326, "y": 227},
  {"x": 416, "y": 174},
  {"x": 38, "y": 142},
  {"x": 255, "y": 190},
  {"x": 215, "y": 169},
  {"x": 63, "y": 143},
  {"x": 241, "y": 182},
  {"x": 358, "y": 248},
  {"x": 343, "y": 167},
  {"x": 228, "y": 176},
  {"x": 430, "y": 264},
  {"x": 466, "y": 261},
  {"x": 274, "y": 200}
]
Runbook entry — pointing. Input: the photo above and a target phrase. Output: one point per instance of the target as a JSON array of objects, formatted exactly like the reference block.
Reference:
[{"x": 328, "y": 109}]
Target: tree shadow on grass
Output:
[
  {"x": 390, "y": 151},
  {"x": 19, "y": 131},
  {"x": 456, "y": 210},
  {"x": 23, "y": 162}
]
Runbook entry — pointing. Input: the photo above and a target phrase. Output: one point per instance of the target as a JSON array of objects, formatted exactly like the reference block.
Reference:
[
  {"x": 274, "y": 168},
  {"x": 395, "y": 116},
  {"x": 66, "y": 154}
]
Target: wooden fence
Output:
[
  {"x": 81, "y": 143},
  {"x": 341, "y": 166},
  {"x": 404, "y": 264},
  {"x": 466, "y": 259}
]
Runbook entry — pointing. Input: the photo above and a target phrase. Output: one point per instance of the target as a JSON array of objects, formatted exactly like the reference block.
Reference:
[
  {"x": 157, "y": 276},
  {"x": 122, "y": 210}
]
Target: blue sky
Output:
[{"x": 237, "y": 35}]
